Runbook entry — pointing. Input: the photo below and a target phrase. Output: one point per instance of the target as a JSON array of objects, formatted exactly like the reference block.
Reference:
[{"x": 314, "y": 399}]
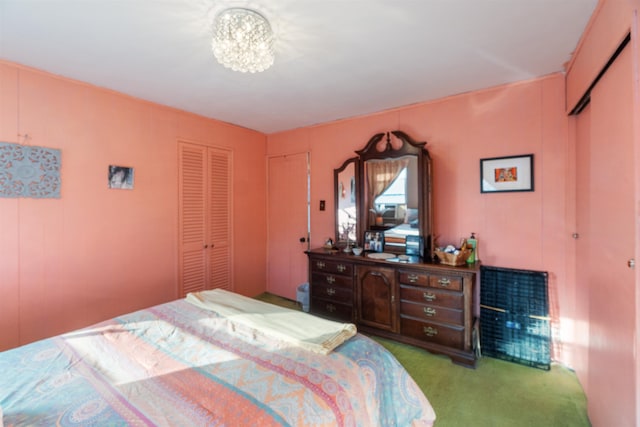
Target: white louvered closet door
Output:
[{"x": 204, "y": 218}]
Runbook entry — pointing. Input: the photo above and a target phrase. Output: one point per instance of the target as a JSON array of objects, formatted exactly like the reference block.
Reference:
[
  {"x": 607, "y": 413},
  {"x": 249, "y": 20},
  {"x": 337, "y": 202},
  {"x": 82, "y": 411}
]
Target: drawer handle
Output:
[
  {"x": 429, "y": 296},
  {"x": 413, "y": 278},
  {"x": 429, "y": 331},
  {"x": 341, "y": 268},
  {"x": 331, "y": 291},
  {"x": 444, "y": 281},
  {"x": 331, "y": 279},
  {"x": 320, "y": 264},
  {"x": 331, "y": 308},
  {"x": 429, "y": 311}
]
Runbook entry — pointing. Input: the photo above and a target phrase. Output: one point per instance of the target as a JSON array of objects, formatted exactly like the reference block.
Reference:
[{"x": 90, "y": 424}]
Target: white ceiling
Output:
[{"x": 334, "y": 58}]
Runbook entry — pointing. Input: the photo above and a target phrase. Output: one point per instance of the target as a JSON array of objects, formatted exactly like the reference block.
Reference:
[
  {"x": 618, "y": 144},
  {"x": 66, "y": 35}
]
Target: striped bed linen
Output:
[{"x": 177, "y": 364}]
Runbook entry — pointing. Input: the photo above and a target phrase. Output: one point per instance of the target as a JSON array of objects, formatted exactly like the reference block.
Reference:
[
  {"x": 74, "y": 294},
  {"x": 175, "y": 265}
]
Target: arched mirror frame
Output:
[
  {"x": 407, "y": 147},
  {"x": 341, "y": 181}
]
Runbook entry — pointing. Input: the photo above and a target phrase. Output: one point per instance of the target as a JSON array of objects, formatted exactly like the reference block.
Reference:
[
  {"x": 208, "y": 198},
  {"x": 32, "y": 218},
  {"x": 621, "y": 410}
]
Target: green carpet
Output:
[{"x": 495, "y": 394}]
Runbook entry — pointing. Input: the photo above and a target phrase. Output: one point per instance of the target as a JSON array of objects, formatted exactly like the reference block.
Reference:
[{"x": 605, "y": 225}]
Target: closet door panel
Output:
[
  {"x": 219, "y": 219},
  {"x": 192, "y": 263},
  {"x": 204, "y": 218},
  {"x": 612, "y": 236}
]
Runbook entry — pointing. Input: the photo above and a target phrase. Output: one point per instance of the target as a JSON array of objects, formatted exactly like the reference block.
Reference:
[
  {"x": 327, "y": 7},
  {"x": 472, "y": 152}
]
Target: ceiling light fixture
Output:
[{"x": 243, "y": 40}]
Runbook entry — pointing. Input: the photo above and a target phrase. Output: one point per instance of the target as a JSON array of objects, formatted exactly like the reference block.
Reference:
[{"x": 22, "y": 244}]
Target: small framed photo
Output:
[
  {"x": 121, "y": 177},
  {"x": 374, "y": 241},
  {"x": 504, "y": 174}
]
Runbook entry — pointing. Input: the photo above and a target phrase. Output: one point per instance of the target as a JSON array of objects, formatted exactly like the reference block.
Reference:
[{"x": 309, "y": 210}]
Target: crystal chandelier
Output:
[{"x": 243, "y": 40}]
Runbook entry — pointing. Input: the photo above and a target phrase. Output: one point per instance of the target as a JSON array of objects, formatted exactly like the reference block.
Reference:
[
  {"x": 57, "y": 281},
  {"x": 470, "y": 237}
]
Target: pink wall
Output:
[
  {"x": 518, "y": 230},
  {"x": 96, "y": 253}
]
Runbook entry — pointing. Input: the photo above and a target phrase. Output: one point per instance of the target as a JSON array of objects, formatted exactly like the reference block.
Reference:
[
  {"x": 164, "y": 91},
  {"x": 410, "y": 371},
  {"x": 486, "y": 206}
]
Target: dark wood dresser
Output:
[{"x": 423, "y": 304}]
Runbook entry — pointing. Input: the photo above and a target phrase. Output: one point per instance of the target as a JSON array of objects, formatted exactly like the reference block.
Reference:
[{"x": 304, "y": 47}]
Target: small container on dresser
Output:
[{"x": 331, "y": 280}]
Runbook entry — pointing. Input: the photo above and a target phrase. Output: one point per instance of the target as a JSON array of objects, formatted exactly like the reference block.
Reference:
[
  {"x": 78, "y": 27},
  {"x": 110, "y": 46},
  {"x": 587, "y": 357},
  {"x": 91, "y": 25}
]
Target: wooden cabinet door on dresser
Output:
[
  {"x": 423, "y": 304},
  {"x": 376, "y": 297}
]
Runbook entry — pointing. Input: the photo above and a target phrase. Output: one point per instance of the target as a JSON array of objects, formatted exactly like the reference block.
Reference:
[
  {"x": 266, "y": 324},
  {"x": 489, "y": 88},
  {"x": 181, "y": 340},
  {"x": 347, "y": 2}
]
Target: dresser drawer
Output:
[
  {"x": 432, "y": 296},
  {"x": 414, "y": 278},
  {"x": 451, "y": 336},
  {"x": 331, "y": 266},
  {"x": 334, "y": 280},
  {"x": 340, "y": 294},
  {"x": 439, "y": 281},
  {"x": 432, "y": 313},
  {"x": 443, "y": 281},
  {"x": 332, "y": 309}
]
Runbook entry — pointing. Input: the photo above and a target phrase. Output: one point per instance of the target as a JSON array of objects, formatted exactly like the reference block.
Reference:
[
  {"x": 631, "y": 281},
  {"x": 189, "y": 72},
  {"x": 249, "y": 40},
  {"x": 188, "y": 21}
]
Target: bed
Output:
[{"x": 214, "y": 358}]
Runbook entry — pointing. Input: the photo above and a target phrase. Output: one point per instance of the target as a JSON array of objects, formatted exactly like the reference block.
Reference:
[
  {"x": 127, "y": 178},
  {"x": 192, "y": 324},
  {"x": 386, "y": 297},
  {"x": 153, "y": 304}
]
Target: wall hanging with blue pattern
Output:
[{"x": 27, "y": 171}]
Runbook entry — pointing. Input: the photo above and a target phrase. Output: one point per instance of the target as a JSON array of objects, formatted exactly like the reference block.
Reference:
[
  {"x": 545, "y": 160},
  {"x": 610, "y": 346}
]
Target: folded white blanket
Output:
[{"x": 294, "y": 327}]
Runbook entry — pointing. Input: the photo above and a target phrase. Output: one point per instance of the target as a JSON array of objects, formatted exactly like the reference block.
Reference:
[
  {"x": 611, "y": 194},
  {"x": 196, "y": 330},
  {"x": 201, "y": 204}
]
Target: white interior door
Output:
[{"x": 288, "y": 219}]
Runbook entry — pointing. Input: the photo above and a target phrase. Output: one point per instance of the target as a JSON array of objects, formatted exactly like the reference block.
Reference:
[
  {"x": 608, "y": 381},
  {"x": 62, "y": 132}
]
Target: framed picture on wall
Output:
[
  {"x": 504, "y": 174},
  {"x": 373, "y": 241},
  {"x": 121, "y": 177}
]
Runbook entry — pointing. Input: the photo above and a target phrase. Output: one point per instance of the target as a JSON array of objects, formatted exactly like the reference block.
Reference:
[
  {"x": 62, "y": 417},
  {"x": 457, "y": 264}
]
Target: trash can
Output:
[{"x": 302, "y": 296}]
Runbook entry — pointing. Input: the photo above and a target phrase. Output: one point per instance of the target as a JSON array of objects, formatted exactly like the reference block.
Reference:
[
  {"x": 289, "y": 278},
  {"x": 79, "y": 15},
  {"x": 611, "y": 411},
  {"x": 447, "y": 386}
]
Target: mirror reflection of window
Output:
[
  {"x": 393, "y": 201},
  {"x": 380, "y": 176},
  {"x": 398, "y": 204},
  {"x": 395, "y": 197}
]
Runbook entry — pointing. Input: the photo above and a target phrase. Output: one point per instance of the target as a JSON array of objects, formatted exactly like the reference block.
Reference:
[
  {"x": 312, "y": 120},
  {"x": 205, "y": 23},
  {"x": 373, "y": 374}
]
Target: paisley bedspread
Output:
[{"x": 176, "y": 364}]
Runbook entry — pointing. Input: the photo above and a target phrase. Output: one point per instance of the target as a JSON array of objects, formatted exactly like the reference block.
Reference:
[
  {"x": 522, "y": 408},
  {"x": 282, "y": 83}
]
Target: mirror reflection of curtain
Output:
[
  {"x": 346, "y": 212},
  {"x": 380, "y": 176}
]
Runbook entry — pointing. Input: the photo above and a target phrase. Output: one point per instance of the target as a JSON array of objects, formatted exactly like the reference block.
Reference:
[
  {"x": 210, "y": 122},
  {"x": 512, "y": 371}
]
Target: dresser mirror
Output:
[
  {"x": 346, "y": 202},
  {"x": 392, "y": 182}
]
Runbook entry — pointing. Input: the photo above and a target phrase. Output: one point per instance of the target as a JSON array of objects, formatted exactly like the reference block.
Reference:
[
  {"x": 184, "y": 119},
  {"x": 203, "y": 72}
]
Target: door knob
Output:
[
  {"x": 302, "y": 240},
  {"x": 631, "y": 263}
]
